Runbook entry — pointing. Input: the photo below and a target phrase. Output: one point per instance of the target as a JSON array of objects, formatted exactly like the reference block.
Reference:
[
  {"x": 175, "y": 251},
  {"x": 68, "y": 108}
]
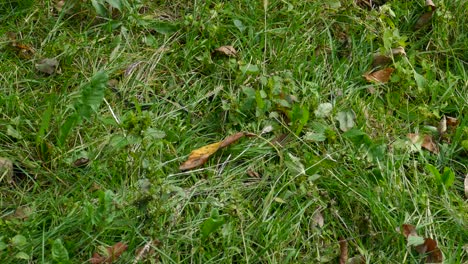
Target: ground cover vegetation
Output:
[{"x": 275, "y": 131}]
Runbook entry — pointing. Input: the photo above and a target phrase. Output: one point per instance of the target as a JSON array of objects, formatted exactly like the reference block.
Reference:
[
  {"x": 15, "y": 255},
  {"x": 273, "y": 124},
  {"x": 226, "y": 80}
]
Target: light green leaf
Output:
[
  {"x": 115, "y": 4},
  {"x": 415, "y": 240},
  {"x": 18, "y": 241},
  {"x": 448, "y": 177},
  {"x": 420, "y": 80},
  {"x": 99, "y": 7},
  {"x": 346, "y": 120},
  {"x": 315, "y": 136},
  {"x": 239, "y": 25},
  {"x": 22, "y": 255},
  {"x": 249, "y": 68},
  {"x": 295, "y": 165},
  {"x": 211, "y": 224},
  {"x": 323, "y": 110}
]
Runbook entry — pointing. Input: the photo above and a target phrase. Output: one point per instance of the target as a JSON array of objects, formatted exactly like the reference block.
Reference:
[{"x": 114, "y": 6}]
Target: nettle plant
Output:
[{"x": 274, "y": 98}]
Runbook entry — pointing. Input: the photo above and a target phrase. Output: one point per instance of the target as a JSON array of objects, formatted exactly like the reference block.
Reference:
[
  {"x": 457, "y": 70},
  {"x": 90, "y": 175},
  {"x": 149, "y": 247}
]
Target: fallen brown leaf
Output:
[
  {"x": 343, "y": 251},
  {"x": 426, "y": 17},
  {"x": 81, "y": 162},
  {"x": 434, "y": 253},
  {"x": 199, "y": 156},
  {"x": 229, "y": 51},
  {"x": 426, "y": 142},
  {"x": 384, "y": 59},
  {"x": 112, "y": 254},
  {"x": 231, "y": 139},
  {"x": 380, "y": 76},
  {"x": 429, "y": 246},
  {"x": 407, "y": 230},
  {"x": 452, "y": 122},
  {"x": 147, "y": 251}
]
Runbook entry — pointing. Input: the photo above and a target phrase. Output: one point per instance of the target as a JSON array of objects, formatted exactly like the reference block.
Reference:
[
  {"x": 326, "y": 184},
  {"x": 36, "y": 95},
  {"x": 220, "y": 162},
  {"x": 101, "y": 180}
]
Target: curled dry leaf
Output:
[
  {"x": 199, "y": 156},
  {"x": 23, "y": 51},
  {"x": 343, "y": 251},
  {"x": 426, "y": 142},
  {"x": 442, "y": 128},
  {"x": 81, "y": 162},
  {"x": 229, "y": 51},
  {"x": 381, "y": 59},
  {"x": 318, "y": 219},
  {"x": 466, "y": 186},
  {"x": 111, "y": 254},
  {"x": 452, "y": 122},
  {"x": 380, "y": 76}
]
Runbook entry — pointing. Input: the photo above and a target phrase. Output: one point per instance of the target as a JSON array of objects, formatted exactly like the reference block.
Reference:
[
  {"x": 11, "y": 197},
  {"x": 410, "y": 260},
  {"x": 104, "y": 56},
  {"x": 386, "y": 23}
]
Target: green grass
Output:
[{"x": 179, "y": 95}]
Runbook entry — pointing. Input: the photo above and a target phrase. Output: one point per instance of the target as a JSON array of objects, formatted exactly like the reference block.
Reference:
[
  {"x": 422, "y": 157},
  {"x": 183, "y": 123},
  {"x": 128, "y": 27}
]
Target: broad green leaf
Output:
[
  {"x": 59, "y": 252},
  {"x": 239, "y": 25},
  {"x": 92, "y": 95},
  {"x": 22, "y": 255},
  {"x": 420, "y": 80},
  {"x": 323, "y": 110},
  {"x": 448, "y": 177},
  {"x": 3, "y": 245},
  {"x": 115, "y": 4},
  {"x": 66, "y": 128},
  {"x": 249, "y": 69},
  {"x": 99, "y": 7},
  {"x": 211, "y": 224},
  {"x": 315, "y": 136},
  {"x": 415, "y": 240},
  {"x": 433, "y": 170},
  {"x": 18, "y": 241},
  {"x": 346, "y": 120},
  {"x": 164, "y": 28}
]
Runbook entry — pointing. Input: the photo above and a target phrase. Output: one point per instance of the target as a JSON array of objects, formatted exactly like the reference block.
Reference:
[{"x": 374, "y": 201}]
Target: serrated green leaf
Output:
[{"x": 59, "y": 252}]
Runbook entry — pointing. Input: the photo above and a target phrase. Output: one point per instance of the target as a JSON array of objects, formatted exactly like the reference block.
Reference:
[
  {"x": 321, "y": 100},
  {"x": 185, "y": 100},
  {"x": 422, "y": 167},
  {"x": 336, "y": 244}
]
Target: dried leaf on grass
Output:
[
  {"x": 111, "y": 254},
  {"x": 422, "y": 245},
  {"x": 47, "y": 66},
  {"x": 317, "y": 219},
  {"x": 24, "y": 51},
  {"x": 343, "y": 251},
  {"x": 380, "y": 76},
  {"x": 199, "y": 156},
  {"x": 466, "y": 186},
  {"x": 426, "y": 141},
  {"x": 425, "y": 18},
  {"x": 81, "y": 162},
  {"x": 147, "y": 251},
  {"x": 381, "y": 59},
  {"x": 228, "y": 50}
]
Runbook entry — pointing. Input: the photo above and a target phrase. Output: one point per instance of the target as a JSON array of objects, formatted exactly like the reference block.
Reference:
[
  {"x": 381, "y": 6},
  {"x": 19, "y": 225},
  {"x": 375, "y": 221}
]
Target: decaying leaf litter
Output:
[{"x": 331, "y": 121}]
